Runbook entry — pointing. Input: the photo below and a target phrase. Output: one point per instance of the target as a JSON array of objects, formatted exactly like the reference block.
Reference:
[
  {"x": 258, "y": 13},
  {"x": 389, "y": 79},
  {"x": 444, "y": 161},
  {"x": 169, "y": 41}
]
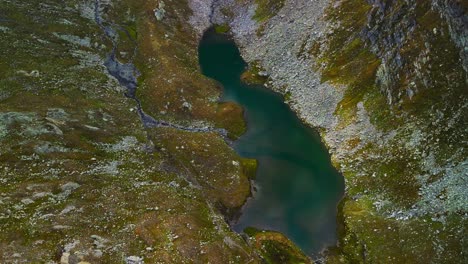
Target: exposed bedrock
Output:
[{"x": 385, "y": 82}]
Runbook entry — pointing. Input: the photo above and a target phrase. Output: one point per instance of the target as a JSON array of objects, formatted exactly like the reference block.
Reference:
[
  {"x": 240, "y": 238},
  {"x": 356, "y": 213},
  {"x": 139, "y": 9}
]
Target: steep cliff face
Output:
[{"x": 385, "y": 82}]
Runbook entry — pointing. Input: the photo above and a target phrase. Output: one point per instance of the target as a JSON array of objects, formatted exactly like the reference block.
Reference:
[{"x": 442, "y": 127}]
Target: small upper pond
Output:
[{"x": 297, "y": 189}]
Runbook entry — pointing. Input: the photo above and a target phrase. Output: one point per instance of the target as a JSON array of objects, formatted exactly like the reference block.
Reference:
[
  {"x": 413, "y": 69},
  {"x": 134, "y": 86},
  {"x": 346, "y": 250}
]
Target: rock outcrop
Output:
[{"x": 385, "y": 84}]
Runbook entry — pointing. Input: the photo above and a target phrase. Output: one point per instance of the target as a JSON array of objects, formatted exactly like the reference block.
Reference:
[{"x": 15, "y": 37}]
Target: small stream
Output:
[
  {"x": 127, "y": 75},
  {"x": 296, "y": 189}
]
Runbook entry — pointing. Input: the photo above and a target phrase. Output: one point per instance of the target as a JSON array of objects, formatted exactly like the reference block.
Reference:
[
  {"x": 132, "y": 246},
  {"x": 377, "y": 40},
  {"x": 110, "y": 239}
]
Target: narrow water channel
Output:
[{"x": 297, "y": 189}]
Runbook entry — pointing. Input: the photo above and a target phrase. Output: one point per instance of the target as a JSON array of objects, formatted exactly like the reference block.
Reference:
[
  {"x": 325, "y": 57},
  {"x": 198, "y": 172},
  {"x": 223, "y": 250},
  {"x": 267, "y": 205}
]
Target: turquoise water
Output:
[{"x": 297, "y": 189}]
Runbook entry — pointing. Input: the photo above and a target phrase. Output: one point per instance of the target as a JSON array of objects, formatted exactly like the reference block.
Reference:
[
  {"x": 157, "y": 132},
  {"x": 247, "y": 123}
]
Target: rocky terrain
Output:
[
  {"x": 86, "y": 175},
  {"x": 115, "y": 149},
  {"x": 385, "y": 82}
]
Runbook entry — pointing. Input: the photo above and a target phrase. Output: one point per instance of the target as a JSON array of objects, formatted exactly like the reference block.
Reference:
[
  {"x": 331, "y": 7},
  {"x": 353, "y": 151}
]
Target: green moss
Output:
[
  {"x": 352, "y": 15},
  {"x": 249, "y": 167},
  {"x": 252, "y": 74},
  {"x": 386, "y": 179},
  {"x": 119, "y": 190},
  {"x": 388, "y": 239},
  {"x": 267, "y": 9},
  {"x": 222, "y": 29},
  {"x": 348, "y": 62},
  {"x": 352, "y": 65},
  {"x": 251, "y": 231},
  {"x": 209, "y": 162},
  {"x": 275, "y": 248},
  {"x": 230, "y": 116},
  {"x": 132, "y": 30}
]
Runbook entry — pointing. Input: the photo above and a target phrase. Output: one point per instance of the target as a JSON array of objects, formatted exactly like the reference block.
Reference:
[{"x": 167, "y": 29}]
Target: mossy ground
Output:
[
  {"x": 252, "y": 74},
  {"x": 172, "y": 86},
  {"x": 275, "y": 248},
  {"x": 222, "y": 29},
  {"x": 267, "y": 9},
  {"x": 79, "y": 172},
  {"x": 383, "y": 177},
  {"x": 221, "y": 175}
]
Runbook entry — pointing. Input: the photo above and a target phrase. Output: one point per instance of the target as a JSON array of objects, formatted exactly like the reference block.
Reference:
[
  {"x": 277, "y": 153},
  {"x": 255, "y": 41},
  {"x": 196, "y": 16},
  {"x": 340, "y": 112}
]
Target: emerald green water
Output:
[{"x": 297, "y": 189}]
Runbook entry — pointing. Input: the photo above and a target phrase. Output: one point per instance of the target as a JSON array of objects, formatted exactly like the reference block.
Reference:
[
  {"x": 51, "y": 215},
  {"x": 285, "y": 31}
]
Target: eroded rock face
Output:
[{"x": 385, "y": 83}]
